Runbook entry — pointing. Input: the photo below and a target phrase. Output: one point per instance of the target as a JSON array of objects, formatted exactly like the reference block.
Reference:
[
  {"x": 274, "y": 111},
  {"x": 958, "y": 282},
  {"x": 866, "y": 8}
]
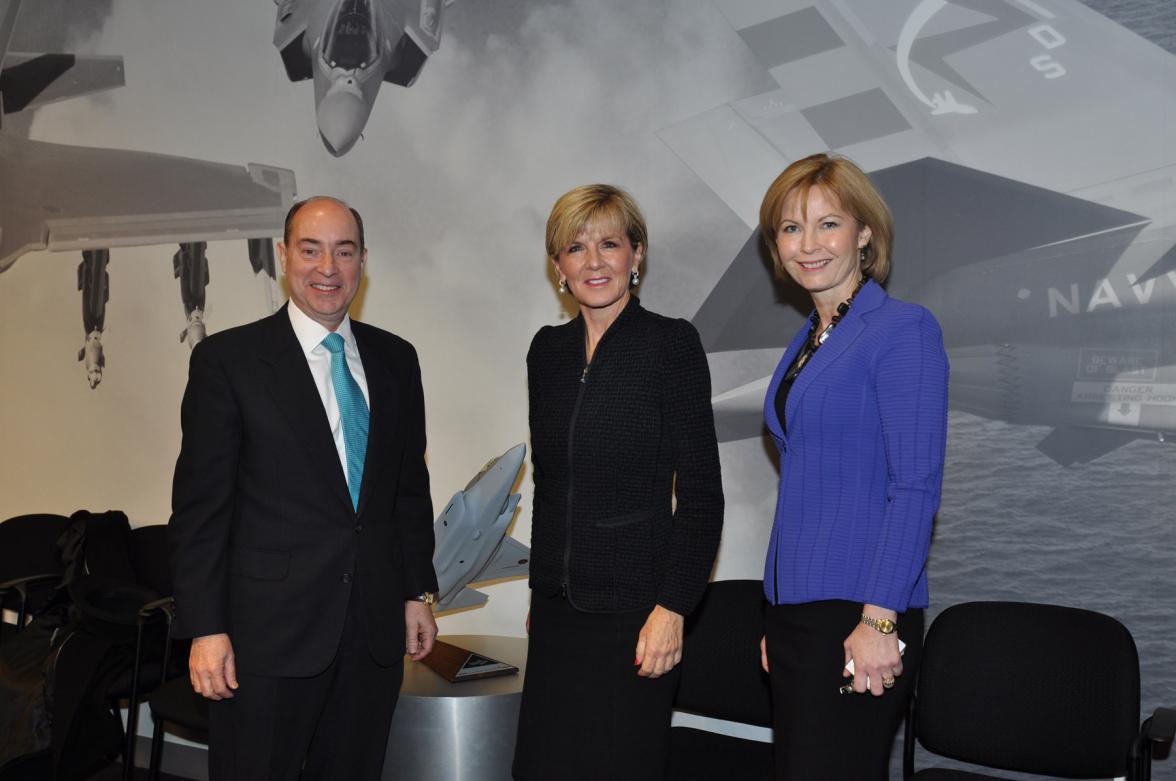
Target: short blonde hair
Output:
[
  {"x": 844, "y": 181},
  {"x": 594, "y": 203}
]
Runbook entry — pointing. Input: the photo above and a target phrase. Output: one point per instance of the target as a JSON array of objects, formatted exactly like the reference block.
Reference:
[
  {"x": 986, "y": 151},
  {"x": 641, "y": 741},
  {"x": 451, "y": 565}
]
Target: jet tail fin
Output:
[
  {"x": 422, "y": 37},
  {"x": 744, "y": 312},
  {"x": 31, "y": 80},
  {"x": 509, "y": 561},
  {"x": 1166, "y": 264},
  {"x": 1075, "y": 445}
]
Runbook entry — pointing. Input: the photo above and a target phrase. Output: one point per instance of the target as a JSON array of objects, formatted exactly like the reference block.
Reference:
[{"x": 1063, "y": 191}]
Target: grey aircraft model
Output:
[
  {"x": 349, "y": 48},
  {"x": 472, "y": 544},
  {"x": 70, "y": 198},
  {"x": 1025, "y": 149}
]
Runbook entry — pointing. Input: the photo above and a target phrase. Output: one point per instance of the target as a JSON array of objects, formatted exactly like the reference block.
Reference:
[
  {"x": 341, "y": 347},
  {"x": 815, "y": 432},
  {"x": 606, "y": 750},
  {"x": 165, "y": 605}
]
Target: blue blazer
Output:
[{"x": 861, "y": 465}]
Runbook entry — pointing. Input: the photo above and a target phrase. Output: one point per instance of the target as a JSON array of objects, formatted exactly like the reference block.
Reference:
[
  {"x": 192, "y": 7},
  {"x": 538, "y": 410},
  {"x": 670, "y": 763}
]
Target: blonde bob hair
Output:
[
  {"x": 840, "y": 179},
  {"x": 594, "y": 203}
]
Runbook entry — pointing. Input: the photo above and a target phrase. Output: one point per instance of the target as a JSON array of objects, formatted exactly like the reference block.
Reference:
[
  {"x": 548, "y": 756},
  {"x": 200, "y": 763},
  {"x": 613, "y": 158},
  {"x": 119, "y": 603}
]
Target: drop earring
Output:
[
  {"x": 563, "y": 286},
  {"x": 634, "y": 278}
]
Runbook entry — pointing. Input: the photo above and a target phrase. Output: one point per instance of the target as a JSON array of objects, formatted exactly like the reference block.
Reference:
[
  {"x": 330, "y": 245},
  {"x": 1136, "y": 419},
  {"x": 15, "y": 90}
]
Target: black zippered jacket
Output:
[{"x": 611, "y": 443}]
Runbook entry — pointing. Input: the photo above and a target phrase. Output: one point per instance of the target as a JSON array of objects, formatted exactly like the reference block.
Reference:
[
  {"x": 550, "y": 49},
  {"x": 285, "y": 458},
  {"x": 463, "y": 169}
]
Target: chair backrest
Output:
[
  {"x": 1028, "y": 687},
  {"x": 721, "y": 673},
  {"x": 150, "y": 558},
  {"x": 107, "y": 541},
  {"x": 28, "y": 546}
]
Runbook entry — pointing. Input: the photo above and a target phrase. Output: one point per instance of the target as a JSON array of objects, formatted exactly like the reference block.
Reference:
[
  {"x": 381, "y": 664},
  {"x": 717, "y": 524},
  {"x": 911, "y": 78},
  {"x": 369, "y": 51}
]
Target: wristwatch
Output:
[
  {"x": 883, "y": 625},
  {"x": 428, "y": 597}
]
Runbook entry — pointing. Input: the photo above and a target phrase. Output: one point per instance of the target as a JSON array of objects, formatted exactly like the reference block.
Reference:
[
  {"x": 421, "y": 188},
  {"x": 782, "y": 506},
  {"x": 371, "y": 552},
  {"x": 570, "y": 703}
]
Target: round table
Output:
[{"x": 464, "y": 731}]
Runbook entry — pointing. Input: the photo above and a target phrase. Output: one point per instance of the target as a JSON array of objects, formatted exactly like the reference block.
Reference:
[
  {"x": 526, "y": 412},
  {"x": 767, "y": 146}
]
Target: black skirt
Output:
[
  {"x": 819, "y": 734},
  {"x": 585, "y": 712}
]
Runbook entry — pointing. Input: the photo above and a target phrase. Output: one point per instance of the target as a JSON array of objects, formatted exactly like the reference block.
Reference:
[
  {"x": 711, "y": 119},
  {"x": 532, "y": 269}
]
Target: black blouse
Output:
[{"x": 785, "y": 388}]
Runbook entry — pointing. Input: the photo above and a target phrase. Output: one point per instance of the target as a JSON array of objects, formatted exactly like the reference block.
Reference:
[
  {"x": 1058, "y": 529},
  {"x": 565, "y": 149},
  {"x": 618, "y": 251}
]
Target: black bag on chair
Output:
[
  {"x": 56, "y": 673},
  {"x": 26, "y": 672},
  {"x": 100, "y": 649}
]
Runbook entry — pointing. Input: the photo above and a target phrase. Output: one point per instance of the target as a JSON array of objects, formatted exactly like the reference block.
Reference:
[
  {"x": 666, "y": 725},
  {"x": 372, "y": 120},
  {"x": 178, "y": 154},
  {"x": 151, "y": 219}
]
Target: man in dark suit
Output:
[{"x": 301, "y": 532}]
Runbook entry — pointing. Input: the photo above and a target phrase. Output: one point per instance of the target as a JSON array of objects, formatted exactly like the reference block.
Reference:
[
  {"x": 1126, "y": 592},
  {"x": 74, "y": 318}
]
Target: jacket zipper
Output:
[
  {"x": 566, "y": 589},
  {"x": 567, "y": 558}
]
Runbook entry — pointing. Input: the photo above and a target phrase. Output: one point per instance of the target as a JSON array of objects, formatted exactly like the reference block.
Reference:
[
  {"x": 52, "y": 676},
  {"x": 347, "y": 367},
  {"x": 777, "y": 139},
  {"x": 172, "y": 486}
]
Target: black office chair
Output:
[
  {"x": 173, "y": 701},
  {"x": 177, "y": 705},
  {"x": 30, "y": 563},
  {"x": 150, "y": 558},
  {"x": 1034, "y": 689},
  {"x": 722, "y": 679},
  {"x": 150, "y": 667}
]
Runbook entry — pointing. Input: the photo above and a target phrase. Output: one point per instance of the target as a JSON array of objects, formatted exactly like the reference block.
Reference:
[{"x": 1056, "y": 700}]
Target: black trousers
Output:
[
  {"x": 819, "y": 733},
  {"x": 585, "y": 713},
  {"x": 333, "y": 725}
]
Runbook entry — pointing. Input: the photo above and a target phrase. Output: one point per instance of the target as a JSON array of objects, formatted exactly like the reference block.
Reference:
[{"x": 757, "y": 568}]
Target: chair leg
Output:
[
  {"x": 22, "y": 613},
  {"x": 156, "y": 748},
  {"x": 908, "y": 741},
  {"x": 128, "y": 750},
  {"x": 133, "y": 708}
]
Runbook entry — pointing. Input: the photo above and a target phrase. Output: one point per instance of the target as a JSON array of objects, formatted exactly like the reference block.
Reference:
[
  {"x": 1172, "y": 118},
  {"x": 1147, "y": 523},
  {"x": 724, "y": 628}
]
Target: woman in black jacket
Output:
[{"x": 621, "y": 426}]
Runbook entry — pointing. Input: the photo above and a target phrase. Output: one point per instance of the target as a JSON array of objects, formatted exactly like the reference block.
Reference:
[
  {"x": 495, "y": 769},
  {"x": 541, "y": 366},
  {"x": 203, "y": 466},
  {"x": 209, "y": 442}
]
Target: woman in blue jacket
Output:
[{"x": 858, "y": 410}]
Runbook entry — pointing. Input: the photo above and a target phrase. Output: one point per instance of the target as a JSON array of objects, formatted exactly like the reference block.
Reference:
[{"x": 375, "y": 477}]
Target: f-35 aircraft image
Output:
[
  {"x": 472, "y": 544},
  {"x": 349, "y": 48},
  {"x": 1054, "y": 280},
  {"x": 70, "y": 198}
]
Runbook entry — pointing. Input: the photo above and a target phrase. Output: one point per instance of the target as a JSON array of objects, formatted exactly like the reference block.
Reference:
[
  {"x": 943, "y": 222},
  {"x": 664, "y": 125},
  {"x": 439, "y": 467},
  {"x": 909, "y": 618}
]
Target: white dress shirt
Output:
[{"x": 310, "y": 336}]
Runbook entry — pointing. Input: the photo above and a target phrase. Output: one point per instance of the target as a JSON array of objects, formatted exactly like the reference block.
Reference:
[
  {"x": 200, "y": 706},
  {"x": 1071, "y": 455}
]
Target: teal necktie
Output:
[{"x": 353, "y": 412}]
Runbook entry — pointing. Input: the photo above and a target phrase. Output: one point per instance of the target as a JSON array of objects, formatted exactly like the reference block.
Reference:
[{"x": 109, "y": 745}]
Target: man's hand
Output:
[
  {"x": 212, "y": 667},
  {"x": 659, "y": 644},
  {"x": 420, "y": 630}
]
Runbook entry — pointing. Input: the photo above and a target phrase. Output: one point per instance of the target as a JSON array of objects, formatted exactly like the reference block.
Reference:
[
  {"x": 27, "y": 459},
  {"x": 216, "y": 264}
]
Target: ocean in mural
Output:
[{"x": 1014, "y": 526}]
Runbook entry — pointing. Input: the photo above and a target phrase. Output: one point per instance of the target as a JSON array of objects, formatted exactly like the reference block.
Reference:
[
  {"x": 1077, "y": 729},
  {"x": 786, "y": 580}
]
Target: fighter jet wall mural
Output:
[
  {"x": 69, "y": 198},
  {"x": 349, "y": 48},
  {"x": 1057, "y": 296}
]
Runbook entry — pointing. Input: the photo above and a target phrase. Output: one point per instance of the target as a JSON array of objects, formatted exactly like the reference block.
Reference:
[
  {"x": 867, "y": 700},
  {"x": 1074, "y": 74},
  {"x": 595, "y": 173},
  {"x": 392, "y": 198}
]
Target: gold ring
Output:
[{"x": 887, "y": 683}]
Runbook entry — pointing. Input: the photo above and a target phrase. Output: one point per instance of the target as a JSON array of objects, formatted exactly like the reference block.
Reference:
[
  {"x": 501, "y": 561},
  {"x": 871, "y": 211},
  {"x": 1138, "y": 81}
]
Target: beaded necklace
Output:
[{"x": 815, "y": 339}]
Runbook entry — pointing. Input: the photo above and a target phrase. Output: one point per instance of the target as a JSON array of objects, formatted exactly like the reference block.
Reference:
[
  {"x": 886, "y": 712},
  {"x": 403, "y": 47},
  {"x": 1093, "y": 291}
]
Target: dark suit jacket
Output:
[
  {"x": 264, "y": 542},
  {"x": 612, "y": 448}
]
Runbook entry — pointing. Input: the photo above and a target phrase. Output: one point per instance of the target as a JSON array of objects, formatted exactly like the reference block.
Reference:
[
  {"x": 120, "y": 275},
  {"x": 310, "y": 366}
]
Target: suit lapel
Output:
[
  {"x": 847, "y": 331},
  {"x": 382, "y": 406},
  {"x": 292, "y": 388},
  {"x": 770, "y": 414}
]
